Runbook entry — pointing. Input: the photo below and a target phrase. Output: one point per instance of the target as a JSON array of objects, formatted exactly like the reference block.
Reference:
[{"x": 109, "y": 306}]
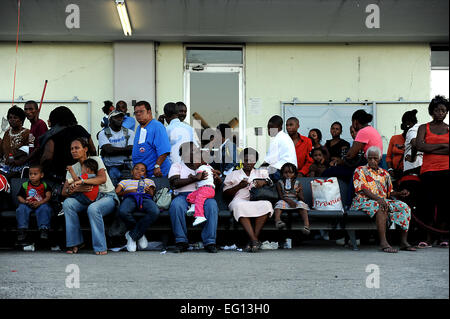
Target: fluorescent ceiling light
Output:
[{"x": 123, "y": 15}]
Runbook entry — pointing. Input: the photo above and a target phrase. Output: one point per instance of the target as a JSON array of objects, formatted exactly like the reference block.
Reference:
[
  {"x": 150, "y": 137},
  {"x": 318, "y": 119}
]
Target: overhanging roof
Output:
[{"x": 229, "y": 21}]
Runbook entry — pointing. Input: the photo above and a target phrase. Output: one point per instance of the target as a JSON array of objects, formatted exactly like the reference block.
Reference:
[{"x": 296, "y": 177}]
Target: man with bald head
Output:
[{"x": 303, "y": 146}]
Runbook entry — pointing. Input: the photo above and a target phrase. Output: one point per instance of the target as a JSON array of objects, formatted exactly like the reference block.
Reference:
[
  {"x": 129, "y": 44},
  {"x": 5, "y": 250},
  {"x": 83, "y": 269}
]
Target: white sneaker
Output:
[
  {"x": 142, "y": 242},
  {"x": 131, "y": 244},
  {"x": 198, "y": 221},
  {"x": 191, "y": 210}
]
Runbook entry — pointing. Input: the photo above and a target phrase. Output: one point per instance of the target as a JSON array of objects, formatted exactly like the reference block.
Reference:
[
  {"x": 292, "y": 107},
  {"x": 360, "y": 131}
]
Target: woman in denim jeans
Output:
[{"x": 105, "y": 204}]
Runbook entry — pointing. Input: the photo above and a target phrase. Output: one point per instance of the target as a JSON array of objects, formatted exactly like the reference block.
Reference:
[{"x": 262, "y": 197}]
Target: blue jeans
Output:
[
  {"x": 43, "y": 216},
  {"x": 115, "y": 174},
  {"x": 137, "y": 229},
  {"x": 177, "y": 212},
  {"x": 103, "y": 206}
]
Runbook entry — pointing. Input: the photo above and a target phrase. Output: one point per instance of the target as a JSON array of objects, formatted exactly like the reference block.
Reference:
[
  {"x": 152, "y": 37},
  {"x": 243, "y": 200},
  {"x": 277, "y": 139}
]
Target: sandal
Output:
[
  {"x": 306, "y": 231},
  {"x": 424, "y": 244},
  {"x": 255, "y": 245},
  {"x": 443, "y": 244},
  {"x": 408, "y": 248},
  {"x": 74, "y": 249},
  {"x": 280, "y": 225},
  {"x": 102, "y": 253},
  {"x": 389, "y": 249},
  {"x": 248, "y": 248}
]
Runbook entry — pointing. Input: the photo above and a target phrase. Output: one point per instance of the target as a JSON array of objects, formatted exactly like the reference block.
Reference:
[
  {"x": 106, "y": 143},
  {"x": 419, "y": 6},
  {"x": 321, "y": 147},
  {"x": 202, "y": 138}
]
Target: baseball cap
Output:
[{"x": 115, "y": 113}]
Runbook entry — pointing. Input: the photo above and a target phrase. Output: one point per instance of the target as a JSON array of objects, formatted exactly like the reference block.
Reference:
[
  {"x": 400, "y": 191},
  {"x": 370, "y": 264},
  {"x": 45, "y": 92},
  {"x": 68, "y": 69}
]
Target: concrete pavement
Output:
[{"x": 302, "y": 272}]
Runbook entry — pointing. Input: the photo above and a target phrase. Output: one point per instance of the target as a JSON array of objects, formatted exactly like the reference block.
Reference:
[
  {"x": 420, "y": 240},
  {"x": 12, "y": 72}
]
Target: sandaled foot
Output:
[
  {"x": 255, "y": 245},
  {"x": 280, "y": 225},
  {"x": 248, "y": 248},
  {"x": 306, "y": 231},
  {"x": 74, "y": 249},
  {"x": 98, "y": 253},
  {"x": 423, "y": 244},
  {"x": 389, "y": 249},
  {"x": 408, "y": 248}
]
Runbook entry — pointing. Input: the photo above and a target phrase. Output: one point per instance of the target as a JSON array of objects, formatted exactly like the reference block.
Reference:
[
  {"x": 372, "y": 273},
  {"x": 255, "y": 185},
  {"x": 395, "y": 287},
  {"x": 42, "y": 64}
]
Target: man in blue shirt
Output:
[
  {"x": 151, "y": 144},
  {"x": 128, "y": 121}
]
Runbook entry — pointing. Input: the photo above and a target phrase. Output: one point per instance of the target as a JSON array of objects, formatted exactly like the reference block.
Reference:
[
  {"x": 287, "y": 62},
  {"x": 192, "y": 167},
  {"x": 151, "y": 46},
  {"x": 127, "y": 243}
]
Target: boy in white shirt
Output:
[{"x": 281, "y": 149}]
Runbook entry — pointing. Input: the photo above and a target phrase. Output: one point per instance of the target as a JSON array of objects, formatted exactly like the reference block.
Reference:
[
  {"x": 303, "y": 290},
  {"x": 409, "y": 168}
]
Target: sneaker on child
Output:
[
  {"x": 131, "y": 244},
  {"x": 198, "y": 221},
  {"x": 191, "y": 210},
  {"x": 142, "y": 242}
]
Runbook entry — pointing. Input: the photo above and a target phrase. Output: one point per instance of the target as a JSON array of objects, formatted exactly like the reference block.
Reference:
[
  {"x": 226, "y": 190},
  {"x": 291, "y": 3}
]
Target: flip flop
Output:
[
  {"x": 443, "y": 244},
  {"x": 423, "y": 244},
  {"x": 389, "y": 249},
  {"x": 74, "y": 250},
  {"x": 306, "y": 231},
  {"x": 408, "y": 248}
]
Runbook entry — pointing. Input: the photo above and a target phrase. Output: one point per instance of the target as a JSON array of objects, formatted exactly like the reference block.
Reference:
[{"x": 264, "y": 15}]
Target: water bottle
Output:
[
  {"x": 141, "y": 185},
  {"x": 10, "y": 157},
  {"x": 288, "y": 184},
  {"x": 141, "y": 189}
]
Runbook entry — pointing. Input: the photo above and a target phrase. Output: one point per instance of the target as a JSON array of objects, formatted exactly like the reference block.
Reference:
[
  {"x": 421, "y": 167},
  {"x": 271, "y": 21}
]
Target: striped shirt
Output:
[{"x": 132, "y": 184}]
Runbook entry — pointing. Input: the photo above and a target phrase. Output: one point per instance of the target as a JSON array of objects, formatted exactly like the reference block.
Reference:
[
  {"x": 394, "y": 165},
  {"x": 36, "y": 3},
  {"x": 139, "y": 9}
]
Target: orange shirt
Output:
[
  {"x": 394, "y": 154},
  {"x": 303, "y": 149}
]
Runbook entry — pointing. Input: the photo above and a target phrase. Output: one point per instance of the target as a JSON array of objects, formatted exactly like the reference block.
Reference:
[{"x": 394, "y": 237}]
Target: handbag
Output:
[
  {"x": 267, "y": 192},
  {"x": 163, "y": 198}
]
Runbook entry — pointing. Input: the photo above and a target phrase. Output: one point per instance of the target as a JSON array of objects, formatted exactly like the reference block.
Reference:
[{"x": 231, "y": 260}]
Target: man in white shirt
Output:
[
  {"x": 412, "y": 159},
  {"x": 116, "y": 144},
  {"x": 281, "y": 149},
  {"x": 178, "y": 132}
]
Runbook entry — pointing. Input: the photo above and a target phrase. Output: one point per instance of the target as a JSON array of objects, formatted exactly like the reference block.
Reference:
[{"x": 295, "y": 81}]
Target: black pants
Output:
[{"x": 435, "y": 194}]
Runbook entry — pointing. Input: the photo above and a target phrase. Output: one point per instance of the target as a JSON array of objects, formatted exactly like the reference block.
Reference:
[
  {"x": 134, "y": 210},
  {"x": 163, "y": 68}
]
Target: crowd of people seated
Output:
[{"x": 118, "y": 177}]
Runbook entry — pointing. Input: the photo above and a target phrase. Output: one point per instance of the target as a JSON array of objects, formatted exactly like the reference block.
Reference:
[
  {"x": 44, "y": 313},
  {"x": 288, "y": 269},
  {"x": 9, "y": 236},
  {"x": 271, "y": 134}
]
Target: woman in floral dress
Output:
[{"x": 374, "y": 192}]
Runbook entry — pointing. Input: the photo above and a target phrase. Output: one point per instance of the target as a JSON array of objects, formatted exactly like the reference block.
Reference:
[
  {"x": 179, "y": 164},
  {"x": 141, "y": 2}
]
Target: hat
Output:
[{"x": 115, "y": 113}]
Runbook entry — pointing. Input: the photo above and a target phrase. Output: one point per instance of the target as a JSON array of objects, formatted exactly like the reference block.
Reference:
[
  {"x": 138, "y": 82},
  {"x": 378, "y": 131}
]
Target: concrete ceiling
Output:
[{"x": 229, "y": 21}]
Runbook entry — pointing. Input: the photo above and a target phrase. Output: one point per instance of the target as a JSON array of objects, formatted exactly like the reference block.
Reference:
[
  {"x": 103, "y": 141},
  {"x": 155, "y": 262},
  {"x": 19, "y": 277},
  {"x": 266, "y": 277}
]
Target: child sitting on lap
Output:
[
  {"x": 205, "y": 190},
  {"x": 291, "y": 194},
  {"x": 89, "y": 169}
]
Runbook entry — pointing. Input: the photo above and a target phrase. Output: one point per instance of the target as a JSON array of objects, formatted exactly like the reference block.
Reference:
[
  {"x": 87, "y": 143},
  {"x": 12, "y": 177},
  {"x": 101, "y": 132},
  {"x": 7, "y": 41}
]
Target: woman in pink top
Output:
[{"x": 366, "y": 135}]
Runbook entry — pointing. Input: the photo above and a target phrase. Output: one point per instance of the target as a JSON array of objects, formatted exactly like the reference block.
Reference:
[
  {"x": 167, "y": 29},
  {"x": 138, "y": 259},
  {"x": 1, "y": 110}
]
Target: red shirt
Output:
[
  {"x": 435, "y": 162},
  {"x": 37, "y": 129},
  {"x": 303, "y": 149}
]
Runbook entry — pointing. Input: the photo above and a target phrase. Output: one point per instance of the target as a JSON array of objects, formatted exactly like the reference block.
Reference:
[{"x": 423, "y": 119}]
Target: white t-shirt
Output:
[
  {"x": 281, "y": 151},
  {"x": 210, "y": 180},
  {"x": 102, "y": 188},
  {"x": 179, "y": 133},
  {"x": 116, "y": 140},
  {"x": 411, "y": 134}
]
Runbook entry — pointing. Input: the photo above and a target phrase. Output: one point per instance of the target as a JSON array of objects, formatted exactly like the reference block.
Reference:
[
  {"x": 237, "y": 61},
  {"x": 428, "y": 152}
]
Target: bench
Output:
[{"x": 349, "y": 220}]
